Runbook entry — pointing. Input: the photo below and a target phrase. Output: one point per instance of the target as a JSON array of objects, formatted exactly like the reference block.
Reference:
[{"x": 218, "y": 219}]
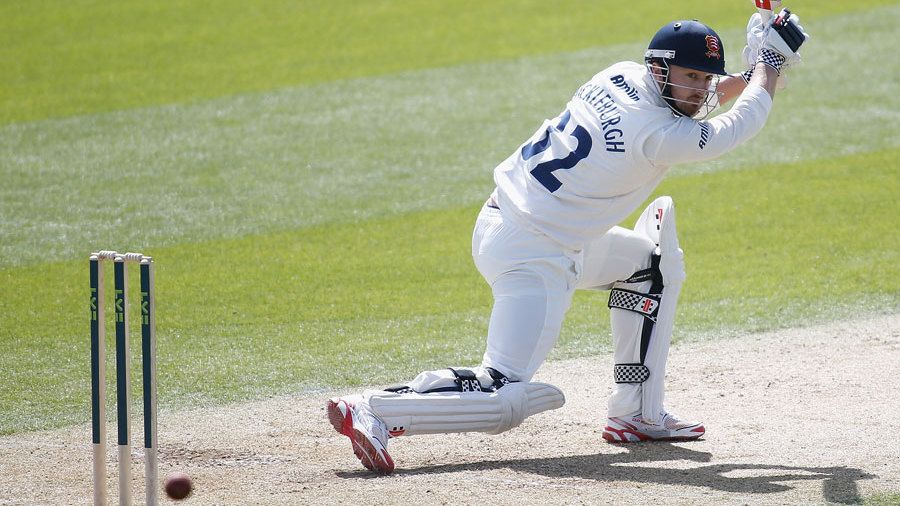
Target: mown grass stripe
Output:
[
  {"x": 374, "y": 147},
  {"x": 70, "y": 58},
  {"x": 373, "y": 302}
]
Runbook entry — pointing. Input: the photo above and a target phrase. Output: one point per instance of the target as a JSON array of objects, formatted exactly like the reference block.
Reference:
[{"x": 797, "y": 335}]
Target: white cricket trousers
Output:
[{"x": 533, "y": 279}]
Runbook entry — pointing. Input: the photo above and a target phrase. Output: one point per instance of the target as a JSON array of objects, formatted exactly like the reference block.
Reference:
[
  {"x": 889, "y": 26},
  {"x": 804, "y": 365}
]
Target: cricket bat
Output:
[{"x": 767, "y": 8}]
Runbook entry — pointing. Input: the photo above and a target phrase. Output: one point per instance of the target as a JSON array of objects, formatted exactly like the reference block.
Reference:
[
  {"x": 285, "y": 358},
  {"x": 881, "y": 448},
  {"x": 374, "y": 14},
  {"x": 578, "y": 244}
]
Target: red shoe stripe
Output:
[
  {"x": 378, "y": 461},
  {"x": 341, "y": 417},
  {"x": 619, "y": 435}
]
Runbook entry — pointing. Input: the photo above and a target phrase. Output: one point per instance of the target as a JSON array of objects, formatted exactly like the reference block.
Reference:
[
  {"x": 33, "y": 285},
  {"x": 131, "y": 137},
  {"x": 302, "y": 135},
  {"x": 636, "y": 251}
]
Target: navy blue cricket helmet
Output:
[{"x": 689, "y": 44}]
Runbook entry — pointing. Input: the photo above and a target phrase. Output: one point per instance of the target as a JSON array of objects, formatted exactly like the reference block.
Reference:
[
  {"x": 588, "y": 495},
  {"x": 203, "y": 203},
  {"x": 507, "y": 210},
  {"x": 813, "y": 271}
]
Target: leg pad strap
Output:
[
  {"x": 645, "y": 304},
  {"x": 630, "y": 373}
]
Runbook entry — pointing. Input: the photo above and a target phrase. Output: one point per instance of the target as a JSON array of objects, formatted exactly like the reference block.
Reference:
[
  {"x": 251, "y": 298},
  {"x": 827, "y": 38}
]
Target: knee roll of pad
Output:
[{"x": 455, "y": 379}]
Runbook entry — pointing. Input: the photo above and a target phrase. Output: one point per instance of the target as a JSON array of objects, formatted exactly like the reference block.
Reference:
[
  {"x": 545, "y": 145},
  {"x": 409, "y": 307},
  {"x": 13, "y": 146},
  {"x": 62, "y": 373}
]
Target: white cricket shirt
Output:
[{"x": 586, "y": 170}]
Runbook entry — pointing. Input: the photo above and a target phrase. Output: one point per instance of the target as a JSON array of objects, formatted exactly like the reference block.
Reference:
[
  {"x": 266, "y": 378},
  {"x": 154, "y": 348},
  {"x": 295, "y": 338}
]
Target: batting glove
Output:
[{"x": 783, "y": 36}]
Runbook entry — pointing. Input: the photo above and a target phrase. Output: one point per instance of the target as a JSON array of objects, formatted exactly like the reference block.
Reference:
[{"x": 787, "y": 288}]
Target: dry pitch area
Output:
[{"x": 801, "y": 416}]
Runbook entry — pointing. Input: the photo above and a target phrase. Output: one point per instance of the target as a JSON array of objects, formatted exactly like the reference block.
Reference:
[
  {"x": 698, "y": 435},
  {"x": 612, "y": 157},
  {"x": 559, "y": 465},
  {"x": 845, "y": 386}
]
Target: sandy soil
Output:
[{"x": 802, "y": 416}]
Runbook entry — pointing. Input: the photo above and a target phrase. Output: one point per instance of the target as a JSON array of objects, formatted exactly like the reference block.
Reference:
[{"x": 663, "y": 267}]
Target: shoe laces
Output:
[
  {"x": 672, "y": 421},
  {"x": 373, "y": 425}
]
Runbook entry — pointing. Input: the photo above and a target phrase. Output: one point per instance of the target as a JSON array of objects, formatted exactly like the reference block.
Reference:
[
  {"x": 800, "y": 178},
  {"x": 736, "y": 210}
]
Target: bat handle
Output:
[
  {"x": 782, "y": 18},
  {"x": 767, "y": 8}
]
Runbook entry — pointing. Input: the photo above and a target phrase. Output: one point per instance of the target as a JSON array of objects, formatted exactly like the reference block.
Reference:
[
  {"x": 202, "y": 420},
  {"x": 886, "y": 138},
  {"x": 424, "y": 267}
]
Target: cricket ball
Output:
[{"x": 178, "y": 486}]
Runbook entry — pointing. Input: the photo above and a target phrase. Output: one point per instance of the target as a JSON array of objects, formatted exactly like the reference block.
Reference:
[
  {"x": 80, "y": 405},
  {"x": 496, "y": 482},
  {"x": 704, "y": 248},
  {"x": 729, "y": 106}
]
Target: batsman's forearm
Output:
[
  {"x": 765, "y": 76},
  {"x": 730, "y": 87}
]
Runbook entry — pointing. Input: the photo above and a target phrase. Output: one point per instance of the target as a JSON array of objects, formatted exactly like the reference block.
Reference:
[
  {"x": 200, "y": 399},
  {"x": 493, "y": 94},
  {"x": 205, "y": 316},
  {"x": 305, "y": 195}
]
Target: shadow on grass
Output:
[{"x": 839, "y": 483}]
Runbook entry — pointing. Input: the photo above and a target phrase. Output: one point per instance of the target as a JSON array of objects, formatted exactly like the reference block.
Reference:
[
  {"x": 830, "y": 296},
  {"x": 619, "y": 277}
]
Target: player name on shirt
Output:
[{"x": 608, "y": 110}]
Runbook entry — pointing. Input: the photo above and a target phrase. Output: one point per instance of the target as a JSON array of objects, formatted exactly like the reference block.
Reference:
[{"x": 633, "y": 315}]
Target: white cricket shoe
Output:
[
  {"x": 366, "y": 431},
  {"x": 633, "y": 428}
]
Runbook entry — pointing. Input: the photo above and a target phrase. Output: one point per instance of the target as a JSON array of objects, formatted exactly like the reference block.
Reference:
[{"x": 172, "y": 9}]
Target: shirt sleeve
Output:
[{"x": 688, "y": 140}]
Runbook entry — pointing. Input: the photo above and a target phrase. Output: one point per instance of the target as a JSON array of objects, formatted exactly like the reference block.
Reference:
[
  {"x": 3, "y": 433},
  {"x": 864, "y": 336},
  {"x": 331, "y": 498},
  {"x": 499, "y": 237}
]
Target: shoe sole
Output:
[
  {"x": 626, "y": 435},
  {"x": 365, "y": 451}
]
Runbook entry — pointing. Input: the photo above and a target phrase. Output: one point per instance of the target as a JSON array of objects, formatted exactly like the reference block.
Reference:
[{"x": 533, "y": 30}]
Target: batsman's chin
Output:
[{"x": 688, "y": 110}]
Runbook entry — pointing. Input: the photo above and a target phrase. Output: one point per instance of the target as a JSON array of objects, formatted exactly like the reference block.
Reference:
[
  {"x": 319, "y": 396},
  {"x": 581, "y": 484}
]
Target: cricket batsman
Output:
[{"x": 550, "y": 227}]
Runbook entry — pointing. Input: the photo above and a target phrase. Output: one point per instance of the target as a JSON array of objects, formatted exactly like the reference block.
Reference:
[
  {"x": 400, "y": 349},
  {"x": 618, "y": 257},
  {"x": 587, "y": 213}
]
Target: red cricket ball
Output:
[{"x": 178, "y": 485}]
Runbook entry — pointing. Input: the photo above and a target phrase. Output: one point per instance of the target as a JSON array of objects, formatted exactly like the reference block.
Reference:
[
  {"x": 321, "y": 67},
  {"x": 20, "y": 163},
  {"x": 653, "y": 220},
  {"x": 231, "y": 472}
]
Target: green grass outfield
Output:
[
  {"x": 307, "y": 182},
  {"x": 882, "y": 499},
  {"x": 84, "y": 56}
]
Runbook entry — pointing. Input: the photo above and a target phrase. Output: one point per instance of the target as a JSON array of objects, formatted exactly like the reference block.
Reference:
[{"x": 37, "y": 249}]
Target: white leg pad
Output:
[
  {"x": 660, "y": 215},
  {"x": 446, "y": 412},
  {"x": 636, "y": 343}
]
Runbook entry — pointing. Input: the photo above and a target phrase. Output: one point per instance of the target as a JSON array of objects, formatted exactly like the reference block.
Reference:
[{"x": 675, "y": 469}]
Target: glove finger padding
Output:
[
  {"x": 756, "y": 32},
  {"x": 785, "y": 36},
  {"x": 755, "y": 21},
  {"x": 790, "y": 30}
]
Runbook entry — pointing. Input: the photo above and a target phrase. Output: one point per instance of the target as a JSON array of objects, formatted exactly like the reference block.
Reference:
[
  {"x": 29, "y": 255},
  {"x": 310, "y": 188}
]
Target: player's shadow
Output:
[{"x": 839, "y": 483}]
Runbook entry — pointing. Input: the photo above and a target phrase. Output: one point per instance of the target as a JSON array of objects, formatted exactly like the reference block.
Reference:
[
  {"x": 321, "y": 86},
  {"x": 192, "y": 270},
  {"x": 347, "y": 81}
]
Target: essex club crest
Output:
[{"x": 713, "y": 48}]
